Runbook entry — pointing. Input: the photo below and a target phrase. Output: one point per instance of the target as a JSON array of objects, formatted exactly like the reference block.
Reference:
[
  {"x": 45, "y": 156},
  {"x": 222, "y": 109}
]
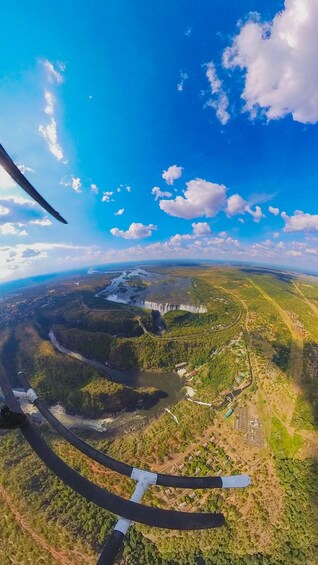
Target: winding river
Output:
[{"x": 170, "y": 383}]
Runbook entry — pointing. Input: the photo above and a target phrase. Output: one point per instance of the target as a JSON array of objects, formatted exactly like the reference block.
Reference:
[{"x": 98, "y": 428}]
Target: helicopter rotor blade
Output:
[
  {"x": 136, "y": 512},
  {"x": 14, "y": 172}
]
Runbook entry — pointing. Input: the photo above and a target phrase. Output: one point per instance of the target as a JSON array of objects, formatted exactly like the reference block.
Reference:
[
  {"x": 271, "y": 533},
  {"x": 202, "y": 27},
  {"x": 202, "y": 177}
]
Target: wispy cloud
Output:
[
  {"x": 48, "y": 130},
  {"x": 24, "y": 169},
  {"x": 158, "y": 193},
  {"x": 183, "y": 78},
  {"x": 72, "y": 181},
  {"x": 107, "y": 196},
  {"x": 45, "y": 222},
  {"x": 218, "y": 100},
  {"x": 52, "y": 73}
]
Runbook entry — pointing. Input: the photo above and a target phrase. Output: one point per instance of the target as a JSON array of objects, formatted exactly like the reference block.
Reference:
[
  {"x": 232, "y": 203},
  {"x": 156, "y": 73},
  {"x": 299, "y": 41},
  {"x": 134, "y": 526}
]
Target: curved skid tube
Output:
[
  {"x": 10, "y": 167},
  {"x": 119, "y": 466},
  {"x": 169, "y": 519}
]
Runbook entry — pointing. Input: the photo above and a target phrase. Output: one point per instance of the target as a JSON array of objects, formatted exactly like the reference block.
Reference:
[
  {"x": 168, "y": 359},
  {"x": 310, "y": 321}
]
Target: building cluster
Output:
[
  {"x": 252, "y": 428},
  {"x": 17, "y": 309}
]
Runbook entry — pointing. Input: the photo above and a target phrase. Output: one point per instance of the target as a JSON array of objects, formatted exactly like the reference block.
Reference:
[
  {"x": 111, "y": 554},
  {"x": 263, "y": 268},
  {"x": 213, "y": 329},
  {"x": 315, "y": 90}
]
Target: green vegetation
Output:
[
  {"x": 179, "y": 319},
  {"x": 79, "y": 388},
  {"x": 282, "y": 443},
  {"x": 257, "y": 320},
  {"x": 93, "y": 345},
  {"x": 309, "y": 379},
  {"x": 303, "y": 416}
]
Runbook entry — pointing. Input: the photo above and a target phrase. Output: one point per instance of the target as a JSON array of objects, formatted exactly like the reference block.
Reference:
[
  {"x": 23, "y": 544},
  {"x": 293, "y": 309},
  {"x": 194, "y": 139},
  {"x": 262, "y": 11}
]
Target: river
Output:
[{"x": 170, "y": 383}]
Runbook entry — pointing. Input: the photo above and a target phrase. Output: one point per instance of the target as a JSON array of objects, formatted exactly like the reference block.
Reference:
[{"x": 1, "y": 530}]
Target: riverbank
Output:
[{"x": 168, "y": 391}]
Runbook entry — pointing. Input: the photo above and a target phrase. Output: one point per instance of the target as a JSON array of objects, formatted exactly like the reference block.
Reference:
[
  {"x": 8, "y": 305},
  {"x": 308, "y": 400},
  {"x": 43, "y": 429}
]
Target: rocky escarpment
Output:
[{"x": 124, "y": 399}]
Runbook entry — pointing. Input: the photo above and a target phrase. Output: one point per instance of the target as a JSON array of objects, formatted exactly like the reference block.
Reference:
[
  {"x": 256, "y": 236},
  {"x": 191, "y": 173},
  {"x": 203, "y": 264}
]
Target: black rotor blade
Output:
[
  {"x": 168, "y": 519},
  {"x": 10, "y": 167}
]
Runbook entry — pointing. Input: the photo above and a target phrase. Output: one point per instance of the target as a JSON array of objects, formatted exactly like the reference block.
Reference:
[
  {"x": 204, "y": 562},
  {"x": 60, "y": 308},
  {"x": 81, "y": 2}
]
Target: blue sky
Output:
[{"x": 160, "y": 130}]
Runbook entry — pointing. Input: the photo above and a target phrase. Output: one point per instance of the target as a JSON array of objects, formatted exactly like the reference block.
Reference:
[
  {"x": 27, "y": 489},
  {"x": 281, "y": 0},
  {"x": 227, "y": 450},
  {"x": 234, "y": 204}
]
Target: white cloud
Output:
[
  {"x": 107, "y": 196},
  {"x": 49, "y": 133},
  {"x": 235, "y": 205},
  {"x": 280, "y": 62},
  {"x": 201, "y": 229},
  {"x": 135, "y": 231},
  {"x": 28, "y": 253},
  {"x": 120, "y": 212},
  {"x": 219, "y": 100},
  {"x": 52, "y": 74},
  {"x": 20, "y": 258},
  {"x": 257, "y": 213},
  {"x": 293, "y": 253},
  {"x": 214, "y": 81},
  {"x": 94, "y": 188},
  {"x": 44, "y": 222},
  {"x": 49, "y": 99},
  {"x": 183, "y": 78},
  {"x": 300, "y": 222},
  {"x": 49, "y": 130},
  {"x": 24, "y": 169},
  {"x": 6, "y": 182},
  {"x": 156, "y": 191},
  {"x": 178, "y": 239},
  {"x": 311, "y": 251},
  {"x": 12, "y": 229},
  {"x": 18, "y": 210},
  {"x": 274, "y": 211},
  {"x": 4, "y": 211},
  {"x": 216, "y": 247},
  {"x": 74, "y": 182},
  {"x": 172, "y": 173},
  {"x": 201, "y": 198}
]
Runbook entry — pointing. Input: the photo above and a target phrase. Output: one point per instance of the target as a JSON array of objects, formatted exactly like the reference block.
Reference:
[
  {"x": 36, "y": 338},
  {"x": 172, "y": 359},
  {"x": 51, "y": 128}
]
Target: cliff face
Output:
[
  {"x": 123, "y": 400},
  {"x": 165, "y": 307}
]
